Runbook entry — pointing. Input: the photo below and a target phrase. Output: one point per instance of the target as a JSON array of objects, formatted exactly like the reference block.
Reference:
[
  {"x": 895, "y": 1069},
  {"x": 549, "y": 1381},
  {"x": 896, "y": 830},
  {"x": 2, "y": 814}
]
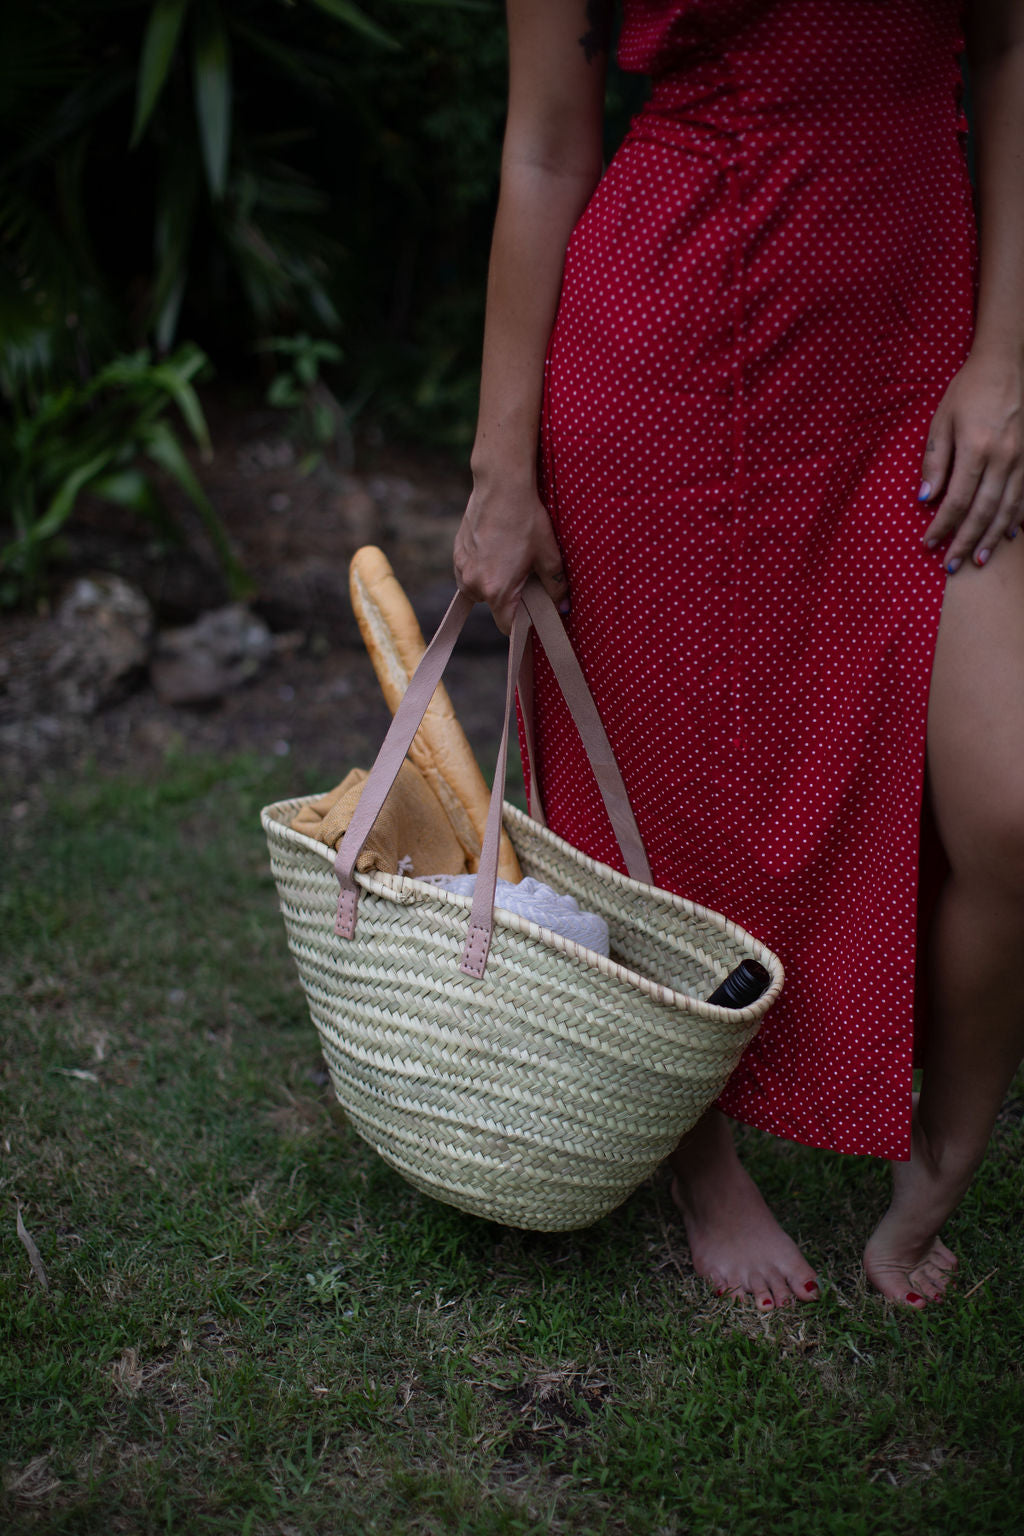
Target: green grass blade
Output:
[
  {"x": 353, "y": 17},
  {"x": 128, "y": 488},
  {"x": 173, "y": 377},
  {"x": 161, "y": 445},
  {"x": 211, "y": 69},
  {"x": 158, "y": 48},
  {"x": 175, "y": 219},
  {"x": 62, "y": 504},
  {"x": 451, "y": 5}
]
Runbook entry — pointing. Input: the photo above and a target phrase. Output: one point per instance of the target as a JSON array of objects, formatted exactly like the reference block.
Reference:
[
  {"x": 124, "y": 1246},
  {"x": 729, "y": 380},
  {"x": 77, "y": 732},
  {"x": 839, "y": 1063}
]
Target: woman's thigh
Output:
[{"x": 976, "y": 720}]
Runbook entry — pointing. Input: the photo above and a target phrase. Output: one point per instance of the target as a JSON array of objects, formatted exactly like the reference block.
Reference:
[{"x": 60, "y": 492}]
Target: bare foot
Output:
[
  {"x": 735, "y": 1241},
  {"x": 905, "y": 1258}
]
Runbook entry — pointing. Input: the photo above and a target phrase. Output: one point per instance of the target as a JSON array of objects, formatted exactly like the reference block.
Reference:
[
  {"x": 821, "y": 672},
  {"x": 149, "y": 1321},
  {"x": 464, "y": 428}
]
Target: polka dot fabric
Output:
[{"x": 761, "y": 307}]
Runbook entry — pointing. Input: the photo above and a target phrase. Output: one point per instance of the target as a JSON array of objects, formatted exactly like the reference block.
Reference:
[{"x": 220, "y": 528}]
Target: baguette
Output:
[{"x": 440, "y": 750}]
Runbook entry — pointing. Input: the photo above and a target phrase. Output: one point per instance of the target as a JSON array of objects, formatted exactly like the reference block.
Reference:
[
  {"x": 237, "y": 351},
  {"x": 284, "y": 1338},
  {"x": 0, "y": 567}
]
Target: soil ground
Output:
[{"x": 317, "y": 701}]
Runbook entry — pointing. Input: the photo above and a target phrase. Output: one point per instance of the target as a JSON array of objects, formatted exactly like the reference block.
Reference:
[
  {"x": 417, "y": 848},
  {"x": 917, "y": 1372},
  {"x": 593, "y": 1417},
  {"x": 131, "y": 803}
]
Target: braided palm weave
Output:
[{"x": 542, "y": 1094}]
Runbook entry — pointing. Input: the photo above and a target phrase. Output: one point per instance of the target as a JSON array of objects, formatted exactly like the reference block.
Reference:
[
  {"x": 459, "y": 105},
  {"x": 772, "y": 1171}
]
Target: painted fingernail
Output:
[
  {"x": 925, "y": 491},
  {"x": 982, "y": 556},
  {"x": 931, "y": 543},
  {"x": 914, "y": 1298},
  {"x": 953, "y": 567}
]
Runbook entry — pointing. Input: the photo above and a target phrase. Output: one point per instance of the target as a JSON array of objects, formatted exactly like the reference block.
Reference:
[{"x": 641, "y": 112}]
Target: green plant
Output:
[
  {"x": 167, "y": 153},
  {"x": 318, "y": 420},
  {"x": 236, "y": 169},
  {"x": 419, "y": 184},
  {"x": 104, "y": 437}
]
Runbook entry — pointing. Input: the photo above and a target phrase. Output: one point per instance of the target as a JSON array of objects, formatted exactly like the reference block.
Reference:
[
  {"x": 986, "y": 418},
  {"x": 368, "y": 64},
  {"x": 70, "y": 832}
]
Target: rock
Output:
[
  {"x": 266, "y": 453},
  {"x": 201, "y": 662},
  {"x": 311, "y": 586},
  {"x": 102, "y": 635}
]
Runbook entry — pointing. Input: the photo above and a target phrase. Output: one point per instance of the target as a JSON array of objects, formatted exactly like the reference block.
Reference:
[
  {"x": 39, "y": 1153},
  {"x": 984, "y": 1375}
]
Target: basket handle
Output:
[{"x": 537, "y": 608}]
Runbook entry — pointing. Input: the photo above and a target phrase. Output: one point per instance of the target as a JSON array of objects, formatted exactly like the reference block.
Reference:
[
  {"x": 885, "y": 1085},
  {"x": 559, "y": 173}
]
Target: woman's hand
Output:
[
  {"x": 973, "y": 469},
  {"x": 504, "y": 536}
]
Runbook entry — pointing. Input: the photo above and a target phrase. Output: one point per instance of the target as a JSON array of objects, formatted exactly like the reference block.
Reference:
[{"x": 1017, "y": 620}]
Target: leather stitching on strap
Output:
[
  {"x": 474, "y": 955},
  {"x": 345, "y": 921}
]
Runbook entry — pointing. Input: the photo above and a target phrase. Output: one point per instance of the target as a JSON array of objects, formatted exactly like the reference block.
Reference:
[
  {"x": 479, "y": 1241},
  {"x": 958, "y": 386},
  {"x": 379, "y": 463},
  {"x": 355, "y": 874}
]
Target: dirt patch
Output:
[{"x": 317, "y": 701}]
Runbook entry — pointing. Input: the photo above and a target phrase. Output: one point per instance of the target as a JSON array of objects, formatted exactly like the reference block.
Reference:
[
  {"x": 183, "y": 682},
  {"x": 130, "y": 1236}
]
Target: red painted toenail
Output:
[
  {"x": 810, "y": 1285},
  {"x": 719, "y": 1293},
  {"x": 767, "y": 1303},
  {"x": 914, "y": 1298}
]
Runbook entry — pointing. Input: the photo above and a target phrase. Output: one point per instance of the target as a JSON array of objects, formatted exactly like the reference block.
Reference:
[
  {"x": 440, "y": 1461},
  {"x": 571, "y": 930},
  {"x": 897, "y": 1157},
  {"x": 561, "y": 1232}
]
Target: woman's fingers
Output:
[
  {"x": 957, "y": 500},
  {"x": 549, "y": 569},
  {"x": 1006, "y": 520},
  {"x": 504, "y": 607},
  {"x": 973, "y": 466},
  {"x": 938, "y": 456},
  {"x": 978, "y": 507},
  {"x": 548, "y": 566},
  {"x": 503, "y": 539},
  {"x": 1017, "y": 505}
]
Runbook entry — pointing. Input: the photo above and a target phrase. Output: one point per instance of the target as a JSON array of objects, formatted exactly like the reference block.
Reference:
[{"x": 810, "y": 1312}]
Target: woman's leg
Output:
[
  {"x": 975, "y": 1032},
  {"x": 735, "y": 1241}
]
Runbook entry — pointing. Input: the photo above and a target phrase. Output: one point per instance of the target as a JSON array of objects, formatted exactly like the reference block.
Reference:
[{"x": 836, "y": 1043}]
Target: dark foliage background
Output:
[{"x": 224, "y": 171}]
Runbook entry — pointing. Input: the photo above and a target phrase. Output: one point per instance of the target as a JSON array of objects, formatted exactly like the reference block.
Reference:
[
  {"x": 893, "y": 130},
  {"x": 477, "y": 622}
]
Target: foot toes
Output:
[
  {"x": 942, "y": 1256},
  {"x": 805, "y": 1290},
  {"x": 934, "y": 1277},
  {"x": 895, "y": 1284},
  {"x": 782, "y": 1291}
]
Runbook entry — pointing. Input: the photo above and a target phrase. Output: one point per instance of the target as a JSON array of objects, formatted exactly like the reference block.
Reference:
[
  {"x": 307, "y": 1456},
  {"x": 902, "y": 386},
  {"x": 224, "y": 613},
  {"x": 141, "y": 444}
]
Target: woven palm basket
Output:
[{"x": 543, "y": 1093}]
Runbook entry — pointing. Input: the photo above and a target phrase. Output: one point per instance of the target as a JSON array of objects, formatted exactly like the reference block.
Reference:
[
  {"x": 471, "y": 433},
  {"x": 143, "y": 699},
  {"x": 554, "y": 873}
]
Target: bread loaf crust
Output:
[{"x": 440, "y": 750}]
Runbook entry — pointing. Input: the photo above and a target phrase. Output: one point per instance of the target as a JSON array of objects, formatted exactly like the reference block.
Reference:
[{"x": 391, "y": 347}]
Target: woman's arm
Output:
[
  {"x": 551, "y": 162},
  {"x": 974, "y": 465}
]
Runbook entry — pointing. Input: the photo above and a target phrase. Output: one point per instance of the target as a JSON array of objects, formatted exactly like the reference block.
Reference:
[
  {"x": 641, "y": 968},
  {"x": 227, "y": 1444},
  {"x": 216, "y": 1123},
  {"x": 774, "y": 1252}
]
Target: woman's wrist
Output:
[
  {"x": 998, "y": 345},
  {"x": 504, "y": 471}
]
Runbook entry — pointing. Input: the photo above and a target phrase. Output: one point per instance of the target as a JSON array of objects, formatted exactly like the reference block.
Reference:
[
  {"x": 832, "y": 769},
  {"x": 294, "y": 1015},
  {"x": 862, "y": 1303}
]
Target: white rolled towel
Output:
[{"x": 542, "y": 905}]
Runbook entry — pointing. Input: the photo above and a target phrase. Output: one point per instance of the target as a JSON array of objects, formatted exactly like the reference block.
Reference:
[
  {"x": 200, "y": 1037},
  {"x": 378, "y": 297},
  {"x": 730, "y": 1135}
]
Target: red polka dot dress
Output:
[{"x": 762, "y": 305}]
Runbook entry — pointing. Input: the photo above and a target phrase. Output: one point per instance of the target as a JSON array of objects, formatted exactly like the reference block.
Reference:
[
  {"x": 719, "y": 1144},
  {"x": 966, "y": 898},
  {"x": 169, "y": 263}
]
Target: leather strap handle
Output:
[
  {"x": 537, "y": 608},
  {"x": 380, "y": 780},
  {"x": 580, "y": 700},
  {"x": 525, "y": 691}
]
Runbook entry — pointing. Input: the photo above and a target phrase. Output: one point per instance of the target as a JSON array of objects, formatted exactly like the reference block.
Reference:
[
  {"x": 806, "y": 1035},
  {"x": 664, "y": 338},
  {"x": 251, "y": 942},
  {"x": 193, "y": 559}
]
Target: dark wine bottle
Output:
[{"x": 742, "y": 986}]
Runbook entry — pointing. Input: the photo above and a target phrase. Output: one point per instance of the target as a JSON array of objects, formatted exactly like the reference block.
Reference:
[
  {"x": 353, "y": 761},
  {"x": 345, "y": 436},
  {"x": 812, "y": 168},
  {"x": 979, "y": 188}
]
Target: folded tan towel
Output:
[{"x": 412, "y": 835}]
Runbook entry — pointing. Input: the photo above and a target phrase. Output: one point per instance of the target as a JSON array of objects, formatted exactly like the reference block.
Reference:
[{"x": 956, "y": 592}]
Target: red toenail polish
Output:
[
  {"x": 767, "y": 1304},
  {"x": 810, "y": 1285},
  {"x": 719, "y": 1293},
  {"x": 914, "y": 1298}
]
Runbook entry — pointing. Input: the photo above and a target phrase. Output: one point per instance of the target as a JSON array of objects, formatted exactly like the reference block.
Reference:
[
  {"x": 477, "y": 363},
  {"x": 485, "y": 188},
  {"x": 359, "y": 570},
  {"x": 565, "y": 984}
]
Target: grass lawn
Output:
[{"x": 253, "y": 1326}]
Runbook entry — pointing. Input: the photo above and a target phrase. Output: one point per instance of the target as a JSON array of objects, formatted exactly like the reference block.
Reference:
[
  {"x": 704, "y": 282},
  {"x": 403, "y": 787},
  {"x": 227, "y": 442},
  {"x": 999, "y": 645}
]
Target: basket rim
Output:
[{"x": 405, "y": 889}]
